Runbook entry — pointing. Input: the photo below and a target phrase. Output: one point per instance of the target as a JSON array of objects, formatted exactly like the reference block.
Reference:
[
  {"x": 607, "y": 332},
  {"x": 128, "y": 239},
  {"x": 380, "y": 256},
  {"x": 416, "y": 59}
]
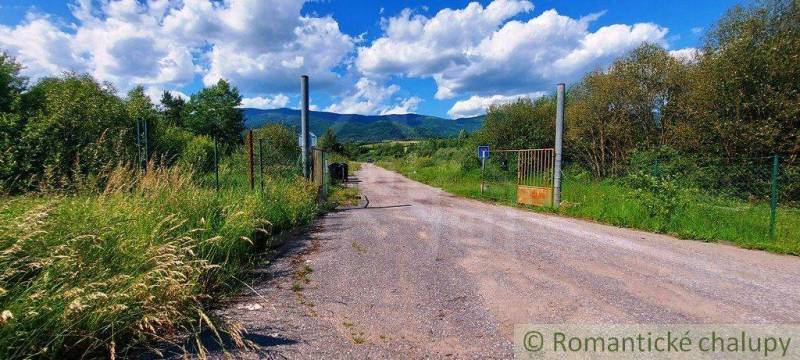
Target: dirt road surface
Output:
[{"x": 420, "y": 273}]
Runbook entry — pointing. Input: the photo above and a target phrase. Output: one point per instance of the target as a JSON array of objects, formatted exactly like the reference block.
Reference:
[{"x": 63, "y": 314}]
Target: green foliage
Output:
[
  {"x": 79, "y": 127},
  {"x": 660, "y": 196},
  {"x": 634, "y": 105},
  {"x": 328, "y": 141},
  {"x": 172, "y": 109},
  {"x": 170, "y": 141},
  {"x": 198, "y": 154},
  {"x": 214, "y": 111},
  {"x": 746, "y": 97},
  {"x": 281, "y": 150},
  {"x": 11, "y": 83},
  {"x": 522, "y": 124}
]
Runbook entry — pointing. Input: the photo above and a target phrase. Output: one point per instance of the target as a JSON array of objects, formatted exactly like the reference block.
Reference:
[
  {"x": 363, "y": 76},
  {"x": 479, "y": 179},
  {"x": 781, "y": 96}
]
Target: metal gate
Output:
[
  {"x": 525, "y": 176},
  {"x": 535, "y": 177}
]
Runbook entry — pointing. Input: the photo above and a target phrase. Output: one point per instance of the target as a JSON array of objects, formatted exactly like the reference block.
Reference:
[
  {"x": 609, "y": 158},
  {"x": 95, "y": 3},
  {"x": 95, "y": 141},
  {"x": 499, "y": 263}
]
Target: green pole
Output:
[
  {"x": 773, "y": 216},
  {"x": 146, "y": 155},
  {"x": 138, "y": 145},
  {"x": 216, "y": 166},
  {"x": 261, "y": 162}
]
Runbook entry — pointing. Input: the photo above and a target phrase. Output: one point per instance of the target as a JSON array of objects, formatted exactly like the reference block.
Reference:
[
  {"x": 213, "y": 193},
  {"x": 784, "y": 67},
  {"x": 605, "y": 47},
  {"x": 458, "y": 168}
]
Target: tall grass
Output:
[
  {"x": 101, "y": 272},
  {"x": 696, "y": 215}
]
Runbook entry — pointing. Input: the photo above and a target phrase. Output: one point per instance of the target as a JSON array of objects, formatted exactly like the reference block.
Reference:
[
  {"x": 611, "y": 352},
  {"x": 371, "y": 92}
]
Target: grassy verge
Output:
[
  {"x": 98, "y": 273},
  {"x": 697, "y": 216}
]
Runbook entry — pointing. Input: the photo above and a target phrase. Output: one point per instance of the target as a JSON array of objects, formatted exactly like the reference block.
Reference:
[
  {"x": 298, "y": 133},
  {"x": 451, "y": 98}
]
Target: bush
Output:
[
  {"x": 79, "y": 129},
  {"x": 661, "y": 196},
  {"x": 198, "y": 154}
]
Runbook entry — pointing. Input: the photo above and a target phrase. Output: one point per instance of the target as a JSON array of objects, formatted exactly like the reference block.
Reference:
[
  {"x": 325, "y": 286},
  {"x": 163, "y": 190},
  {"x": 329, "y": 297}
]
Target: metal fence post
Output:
[
  {"x": 146, "y": 152},
  {"x": 250, "y": 160},
  {"x": 483, "y": 168},
  {"x": 216, "y": 166},
  {"x": 306, "y": 139},
  {"x": 558, "y": 144},
  {"x": 138, "y": 144},
  {"x": 261, "y": 162},
  {"x": 773, "y": 216}
]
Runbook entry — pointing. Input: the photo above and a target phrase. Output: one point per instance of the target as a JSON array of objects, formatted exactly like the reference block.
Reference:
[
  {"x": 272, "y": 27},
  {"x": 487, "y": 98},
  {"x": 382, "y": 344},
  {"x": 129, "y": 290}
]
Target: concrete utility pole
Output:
[
  {"x": 559, "y": 144},
  {"x": 304, "y": 127}
]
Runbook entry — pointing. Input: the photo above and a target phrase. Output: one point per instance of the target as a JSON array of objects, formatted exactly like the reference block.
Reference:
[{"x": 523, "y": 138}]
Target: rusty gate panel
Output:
[{"x": 535, "y": 177}]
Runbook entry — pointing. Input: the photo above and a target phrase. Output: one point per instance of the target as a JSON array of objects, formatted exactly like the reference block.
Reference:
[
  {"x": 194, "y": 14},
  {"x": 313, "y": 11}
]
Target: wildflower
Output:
[{"x": 5, "y": 316}]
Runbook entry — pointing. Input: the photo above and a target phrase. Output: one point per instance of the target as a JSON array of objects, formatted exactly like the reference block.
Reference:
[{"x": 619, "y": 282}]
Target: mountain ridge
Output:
[{"x": 365, "y": 127}]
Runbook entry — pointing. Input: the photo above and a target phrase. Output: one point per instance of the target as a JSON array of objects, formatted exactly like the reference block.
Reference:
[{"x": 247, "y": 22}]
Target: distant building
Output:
[{"x": 311, "y": 135}]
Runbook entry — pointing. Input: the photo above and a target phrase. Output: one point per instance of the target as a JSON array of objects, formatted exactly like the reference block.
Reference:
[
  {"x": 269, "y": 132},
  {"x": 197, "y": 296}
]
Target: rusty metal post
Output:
[
  {"x": 304, "y": 131},
  {"x": 250, "y": 160},
  {"x": 559, "y": 144}
]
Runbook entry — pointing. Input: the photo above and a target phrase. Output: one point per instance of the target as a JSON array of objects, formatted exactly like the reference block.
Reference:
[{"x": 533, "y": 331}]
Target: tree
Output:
[
  {"x": 214, "y": 111},
  {"x": 636, "y": 104},
  {"x": 280, "y": 144},
  {"x": 746, "y": 97},
  {"x": 172, "y": 108},
  {"x": 521, "y": 124},
  {"x": 328, "y": 141},
  {"x": 80, "y": 128},
  {"x": 12, "y": 84}
]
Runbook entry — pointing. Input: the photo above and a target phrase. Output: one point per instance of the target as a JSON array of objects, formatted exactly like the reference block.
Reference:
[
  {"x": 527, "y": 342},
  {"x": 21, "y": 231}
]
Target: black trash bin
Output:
[{"x": 335, "y": 171}]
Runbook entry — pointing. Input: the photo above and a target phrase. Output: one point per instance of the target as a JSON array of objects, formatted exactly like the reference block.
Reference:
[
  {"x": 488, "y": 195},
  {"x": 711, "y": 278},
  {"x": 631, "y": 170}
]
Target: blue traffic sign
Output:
[{"x": 483, "y": 152}]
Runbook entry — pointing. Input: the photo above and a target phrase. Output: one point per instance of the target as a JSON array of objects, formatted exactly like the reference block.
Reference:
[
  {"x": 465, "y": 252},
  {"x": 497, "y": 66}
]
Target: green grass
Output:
[
  {"x": 98, "y": 273},
  {"x": 700, "y": 216}
]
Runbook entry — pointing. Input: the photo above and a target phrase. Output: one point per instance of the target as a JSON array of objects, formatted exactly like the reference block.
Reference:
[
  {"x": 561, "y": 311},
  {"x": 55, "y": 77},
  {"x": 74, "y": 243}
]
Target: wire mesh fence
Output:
[
  {"x": 249, "y": 165},
  {"x": 753, "y": 200}
]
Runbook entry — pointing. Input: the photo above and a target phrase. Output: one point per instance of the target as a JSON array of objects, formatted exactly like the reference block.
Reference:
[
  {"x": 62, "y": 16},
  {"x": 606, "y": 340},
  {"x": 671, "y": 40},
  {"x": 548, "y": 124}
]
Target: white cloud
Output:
[
  {"x": 477, "y": 105},
  {"x": 406, "y": 106},
  {"x": 369, "y": 97},
  {"x": 485, "y": 51},
  {"x": 262, "y": 46},
  {"x": 687, "y": 55},
  {"x": 258, "y": 102},
  {"x": 155, "y": 93}
]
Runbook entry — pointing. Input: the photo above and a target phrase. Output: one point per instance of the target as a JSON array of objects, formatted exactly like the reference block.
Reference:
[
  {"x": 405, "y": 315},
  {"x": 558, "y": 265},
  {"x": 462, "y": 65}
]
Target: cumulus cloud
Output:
[
  {"x": 369, "y": 97},
  {"x": 477, "y": 105},
  {"x": 155, "y": 93},
  {"x": 485, "y": 50},
  {"x": 262, "y": 46},
  {"x": 258, "y": 102},
  {"x": 406, "y": 106},
  {"x": 686, "y": 55}
]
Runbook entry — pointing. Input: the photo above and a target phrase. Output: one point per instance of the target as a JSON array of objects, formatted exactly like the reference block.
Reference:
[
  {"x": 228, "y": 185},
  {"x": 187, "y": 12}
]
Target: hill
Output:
[{"x": 365, "y": 127}]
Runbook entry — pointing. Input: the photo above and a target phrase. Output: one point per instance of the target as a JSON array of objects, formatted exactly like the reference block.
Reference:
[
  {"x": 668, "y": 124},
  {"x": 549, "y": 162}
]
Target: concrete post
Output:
[
  {"x": 558, "y": 145},
  {"x": 304, "y": 135}
]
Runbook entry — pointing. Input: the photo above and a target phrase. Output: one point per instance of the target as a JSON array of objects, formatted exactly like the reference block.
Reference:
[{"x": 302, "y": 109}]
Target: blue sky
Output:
[{"x": 444, "y": 58}]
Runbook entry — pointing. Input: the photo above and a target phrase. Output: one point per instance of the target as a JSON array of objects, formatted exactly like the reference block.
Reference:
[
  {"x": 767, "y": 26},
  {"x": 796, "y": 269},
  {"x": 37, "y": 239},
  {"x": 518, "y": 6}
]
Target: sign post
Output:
[{"x": 483, "y": 154}]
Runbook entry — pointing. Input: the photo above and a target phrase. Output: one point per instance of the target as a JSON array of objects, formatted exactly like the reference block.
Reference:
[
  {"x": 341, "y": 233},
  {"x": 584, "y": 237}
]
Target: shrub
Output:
[
  {"x": 198, "y": 154},
  {"x": 79, "y": 128},
  {"x": 661, "y": 196}
]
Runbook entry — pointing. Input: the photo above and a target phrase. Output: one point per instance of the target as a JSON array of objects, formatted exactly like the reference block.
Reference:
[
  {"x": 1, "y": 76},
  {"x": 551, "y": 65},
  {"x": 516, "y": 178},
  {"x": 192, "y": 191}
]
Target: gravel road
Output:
[{"x": 420, "y": 273}]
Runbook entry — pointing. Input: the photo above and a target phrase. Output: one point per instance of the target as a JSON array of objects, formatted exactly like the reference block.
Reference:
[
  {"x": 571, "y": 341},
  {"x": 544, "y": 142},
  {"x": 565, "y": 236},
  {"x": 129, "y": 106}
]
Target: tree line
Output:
[
  {"x": 64, "y": 130},
  {"x": 727, "y": 110}
]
